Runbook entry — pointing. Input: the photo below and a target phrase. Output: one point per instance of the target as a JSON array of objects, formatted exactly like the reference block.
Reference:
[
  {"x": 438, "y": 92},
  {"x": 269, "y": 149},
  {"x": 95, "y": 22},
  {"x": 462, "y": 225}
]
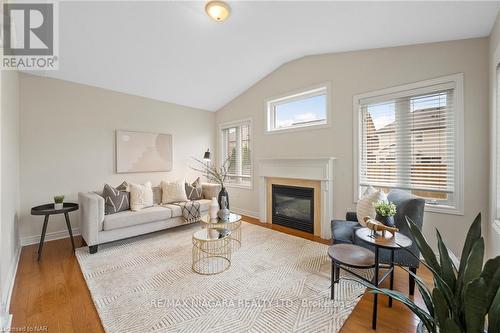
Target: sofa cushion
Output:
[
  {"x": 129, "y": 218},
  {"x": 177, "y": 210}
]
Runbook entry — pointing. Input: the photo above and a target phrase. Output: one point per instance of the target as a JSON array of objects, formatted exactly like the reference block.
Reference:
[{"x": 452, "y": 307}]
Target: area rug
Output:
[{"x": 276, "y": 283}]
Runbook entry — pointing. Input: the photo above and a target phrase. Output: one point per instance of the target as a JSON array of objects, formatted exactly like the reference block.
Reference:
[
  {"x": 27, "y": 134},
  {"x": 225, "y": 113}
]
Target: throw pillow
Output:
[
  {"x": 365, "y": 204},
  {"x": 141, "y": 196},
  {"x": 194, "y": 191},
  {"x": 173, "y": 192},
  {"x": 116, "y": 199}
]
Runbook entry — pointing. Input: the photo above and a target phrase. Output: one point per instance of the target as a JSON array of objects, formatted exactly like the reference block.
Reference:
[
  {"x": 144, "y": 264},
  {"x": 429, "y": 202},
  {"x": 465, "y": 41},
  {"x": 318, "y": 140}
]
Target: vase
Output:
[
  {"x": 214, "y": 209},
  {"x": 386, "y": 220},
  {"x": 224, "y": 212},
  {"x": 223, "y": 193},
  {"x": 58, "y": 206}
]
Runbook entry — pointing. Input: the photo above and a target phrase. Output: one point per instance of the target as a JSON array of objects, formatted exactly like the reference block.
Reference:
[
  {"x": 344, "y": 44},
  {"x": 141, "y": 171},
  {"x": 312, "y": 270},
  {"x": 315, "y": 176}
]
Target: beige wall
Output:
[
  {"x": 9, "y": 203},
  {"x": 68, "y": 141},
  {"x": 492, "y": 231},
  {"x": 357, "y": 72}
]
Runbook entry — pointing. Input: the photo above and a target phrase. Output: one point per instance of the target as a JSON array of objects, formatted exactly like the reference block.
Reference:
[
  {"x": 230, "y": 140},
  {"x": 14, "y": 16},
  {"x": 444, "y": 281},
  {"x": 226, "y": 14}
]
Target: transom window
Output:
[
  {"x": 409, "y": 139},
  {"x": 236, "y": 149},
  {"x": 299, "y": 110}
]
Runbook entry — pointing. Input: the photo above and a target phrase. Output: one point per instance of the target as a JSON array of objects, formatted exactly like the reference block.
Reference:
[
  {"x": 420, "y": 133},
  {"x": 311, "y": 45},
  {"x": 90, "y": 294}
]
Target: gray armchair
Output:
[{"x": 406, "y": 205}]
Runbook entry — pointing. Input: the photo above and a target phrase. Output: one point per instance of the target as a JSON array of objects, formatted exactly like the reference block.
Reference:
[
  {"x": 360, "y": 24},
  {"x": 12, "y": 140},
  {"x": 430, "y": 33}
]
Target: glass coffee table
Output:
[
  {"x": 211, "y": 251},
  {"x": 233, "y": 225}
]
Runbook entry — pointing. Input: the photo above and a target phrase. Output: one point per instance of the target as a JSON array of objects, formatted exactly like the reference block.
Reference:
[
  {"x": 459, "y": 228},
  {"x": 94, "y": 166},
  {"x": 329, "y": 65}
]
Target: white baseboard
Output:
[
  {"x": 49, "y": 236},
  {"x": 248, "y": 213},
  {"x": 6, "y": 317}
]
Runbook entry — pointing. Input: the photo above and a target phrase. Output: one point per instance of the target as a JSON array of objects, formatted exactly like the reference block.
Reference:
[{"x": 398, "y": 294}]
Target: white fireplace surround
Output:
[{"x": 319, "y": 169}]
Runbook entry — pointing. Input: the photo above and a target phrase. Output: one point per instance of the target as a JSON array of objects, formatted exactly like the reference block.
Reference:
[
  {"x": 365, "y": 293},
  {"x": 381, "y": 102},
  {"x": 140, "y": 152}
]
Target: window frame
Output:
[
  {"x": 237, "y": 123},
  {"x": 426, "y": 86},
  {"x": 296, "y": 95}
]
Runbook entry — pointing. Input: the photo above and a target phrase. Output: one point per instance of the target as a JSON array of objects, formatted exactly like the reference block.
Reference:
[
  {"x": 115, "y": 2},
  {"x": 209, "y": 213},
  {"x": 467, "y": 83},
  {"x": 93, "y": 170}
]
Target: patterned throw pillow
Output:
[
  {"x": 365, "y": 204},
  {"x": 141, "y": 196},
  {"x": 194, "y": 191},
  {"x": 116, "y": 199},
  {"x": 173, "y": 192}
]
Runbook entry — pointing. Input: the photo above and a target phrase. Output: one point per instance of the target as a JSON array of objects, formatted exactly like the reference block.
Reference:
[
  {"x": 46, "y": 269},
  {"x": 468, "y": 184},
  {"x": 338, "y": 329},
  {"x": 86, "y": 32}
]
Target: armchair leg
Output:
[
  {"x": 412, "y": 280},
  {"x": 93, "y": 249}
]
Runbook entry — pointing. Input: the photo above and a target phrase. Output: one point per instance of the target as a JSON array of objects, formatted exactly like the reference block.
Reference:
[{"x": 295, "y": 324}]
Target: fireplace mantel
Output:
[{"x": 320, "y": 169}]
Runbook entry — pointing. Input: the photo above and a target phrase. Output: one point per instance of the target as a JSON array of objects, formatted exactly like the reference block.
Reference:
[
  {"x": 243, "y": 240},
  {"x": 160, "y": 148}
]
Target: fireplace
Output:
[{"x": 293, "y": 207}]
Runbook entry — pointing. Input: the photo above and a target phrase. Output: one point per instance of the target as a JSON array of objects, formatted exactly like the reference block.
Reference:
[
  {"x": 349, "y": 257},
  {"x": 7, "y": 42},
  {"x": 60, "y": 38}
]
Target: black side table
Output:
[
  {"x": 390, "y": 242},
  {"x": 48, "y": 210}
]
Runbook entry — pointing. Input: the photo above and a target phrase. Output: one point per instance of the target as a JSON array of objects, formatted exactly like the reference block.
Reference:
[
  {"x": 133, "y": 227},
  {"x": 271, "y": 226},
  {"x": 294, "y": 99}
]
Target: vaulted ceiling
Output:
[{"x": 172, "y": 51}]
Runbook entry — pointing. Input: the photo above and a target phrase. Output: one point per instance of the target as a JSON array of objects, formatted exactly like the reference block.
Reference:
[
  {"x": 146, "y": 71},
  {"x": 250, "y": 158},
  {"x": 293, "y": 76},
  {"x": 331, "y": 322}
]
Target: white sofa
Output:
[{"x": 98, "y": 228}]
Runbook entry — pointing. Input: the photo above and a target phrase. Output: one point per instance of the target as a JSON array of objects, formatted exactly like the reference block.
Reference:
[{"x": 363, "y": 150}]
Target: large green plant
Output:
[{"x": 462, "y": 296}]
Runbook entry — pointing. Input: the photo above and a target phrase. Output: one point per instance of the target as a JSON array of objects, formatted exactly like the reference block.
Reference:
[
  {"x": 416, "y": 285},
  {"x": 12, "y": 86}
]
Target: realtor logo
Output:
[{"x": 29, "y": 36}]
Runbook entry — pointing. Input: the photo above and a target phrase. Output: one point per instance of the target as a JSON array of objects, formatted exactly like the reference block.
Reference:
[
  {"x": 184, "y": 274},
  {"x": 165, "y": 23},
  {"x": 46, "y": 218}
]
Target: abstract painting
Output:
[{"x": 143, "y": 152}]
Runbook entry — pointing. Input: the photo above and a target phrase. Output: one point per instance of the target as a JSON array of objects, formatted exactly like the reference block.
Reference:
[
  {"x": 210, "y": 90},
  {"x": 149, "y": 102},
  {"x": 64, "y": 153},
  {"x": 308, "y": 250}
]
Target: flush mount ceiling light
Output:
[{"x": 218, "y": 10}]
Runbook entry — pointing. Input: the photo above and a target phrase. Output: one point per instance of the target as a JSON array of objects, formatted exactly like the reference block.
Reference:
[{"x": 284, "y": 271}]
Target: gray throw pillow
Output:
[
  {"x": 116, "y": 199},
  {"x": 194, "y": 191}
]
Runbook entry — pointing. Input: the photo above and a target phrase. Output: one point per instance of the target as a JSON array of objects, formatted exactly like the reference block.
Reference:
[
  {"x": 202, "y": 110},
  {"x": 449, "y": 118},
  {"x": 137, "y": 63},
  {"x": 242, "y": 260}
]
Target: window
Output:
[
  {"x": 236, "y": 149},
  {"x": 299, "y": 110},
  {"x": 410, "y": 138}
]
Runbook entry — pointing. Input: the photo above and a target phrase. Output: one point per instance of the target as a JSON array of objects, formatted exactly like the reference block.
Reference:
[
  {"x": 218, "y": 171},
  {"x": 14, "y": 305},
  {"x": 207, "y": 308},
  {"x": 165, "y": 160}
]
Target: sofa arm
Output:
[
  {"x": 210, "y": 190},
  {"x": 91, "y": 216}
]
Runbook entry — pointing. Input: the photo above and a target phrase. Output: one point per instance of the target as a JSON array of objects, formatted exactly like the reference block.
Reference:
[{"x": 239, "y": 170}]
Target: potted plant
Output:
[
  {"x": 462, "y": 297},
  {"x": 58, "y": 202},
  {"x": 217, "y": 175},
  {"x": 385, "y": 212}
]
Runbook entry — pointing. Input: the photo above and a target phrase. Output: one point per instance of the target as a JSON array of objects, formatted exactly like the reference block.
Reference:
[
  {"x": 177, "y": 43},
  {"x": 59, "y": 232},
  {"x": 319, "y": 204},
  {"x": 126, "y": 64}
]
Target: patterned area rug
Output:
[{"x": 276, "y": 283}]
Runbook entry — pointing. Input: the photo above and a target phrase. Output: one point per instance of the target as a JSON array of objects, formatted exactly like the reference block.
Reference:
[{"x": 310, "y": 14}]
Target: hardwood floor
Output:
[{"x": 51, "y": 295}]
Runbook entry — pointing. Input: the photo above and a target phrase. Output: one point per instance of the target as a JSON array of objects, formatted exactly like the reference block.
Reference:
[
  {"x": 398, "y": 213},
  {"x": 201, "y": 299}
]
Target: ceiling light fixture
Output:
[{"x": 218, "y": 10}]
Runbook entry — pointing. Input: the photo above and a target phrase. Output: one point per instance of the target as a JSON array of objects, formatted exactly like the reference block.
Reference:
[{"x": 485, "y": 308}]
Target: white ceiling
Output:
[{"x": 172, "y": 51}]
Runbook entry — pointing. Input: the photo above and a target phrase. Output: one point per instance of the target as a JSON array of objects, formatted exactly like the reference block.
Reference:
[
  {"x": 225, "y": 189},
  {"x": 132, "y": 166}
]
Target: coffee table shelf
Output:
[
  {"x": 233, "y": 225},
  {"x": 211, "y": 251}
]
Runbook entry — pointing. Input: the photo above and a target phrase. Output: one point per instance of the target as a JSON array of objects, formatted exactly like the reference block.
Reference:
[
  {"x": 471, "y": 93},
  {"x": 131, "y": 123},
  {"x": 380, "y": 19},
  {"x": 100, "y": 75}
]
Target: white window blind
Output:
[
  {"x": 408, "y": 141},
  {"x": 236, "y": 148}
]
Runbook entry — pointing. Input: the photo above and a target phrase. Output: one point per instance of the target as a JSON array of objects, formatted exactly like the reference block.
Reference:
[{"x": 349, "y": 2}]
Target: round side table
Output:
[
  {"x": 47, "y": 210},
  {"x": 211, "y": 251},
  {"x": 391, "y": 242},
  {"x": 233, "y": 225}
]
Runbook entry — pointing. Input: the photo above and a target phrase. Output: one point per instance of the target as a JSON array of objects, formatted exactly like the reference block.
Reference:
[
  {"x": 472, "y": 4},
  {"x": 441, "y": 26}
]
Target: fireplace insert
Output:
[{"x": 293, "y": 207}]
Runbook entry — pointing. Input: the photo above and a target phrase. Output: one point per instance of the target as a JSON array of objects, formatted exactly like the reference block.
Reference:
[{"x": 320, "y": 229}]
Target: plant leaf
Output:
[
  {"x": 474, "y": 263},
  {"x": 432, "y": 263},
  {"x": 494, "y": 315},
  {"x": 491, "y": 274},
  {"x": 423, "y": 246},
  {"x": 475, "y": 304},
  {"x": 424, "y": 291},
  {"x": 446, "y": 263},
  {"x": 441, "y": 308},
  {"x": 428, "y": 321},
  {"x": 473, "y": 235},
  {"x": 450, "y": 326}
]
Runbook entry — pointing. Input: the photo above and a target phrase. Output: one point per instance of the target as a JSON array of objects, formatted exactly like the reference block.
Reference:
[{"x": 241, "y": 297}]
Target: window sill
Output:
[
  {"x": 443, "y": 209},
  {"x": 298, "y": 128},
  {"x": 236, "y": 185}
]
